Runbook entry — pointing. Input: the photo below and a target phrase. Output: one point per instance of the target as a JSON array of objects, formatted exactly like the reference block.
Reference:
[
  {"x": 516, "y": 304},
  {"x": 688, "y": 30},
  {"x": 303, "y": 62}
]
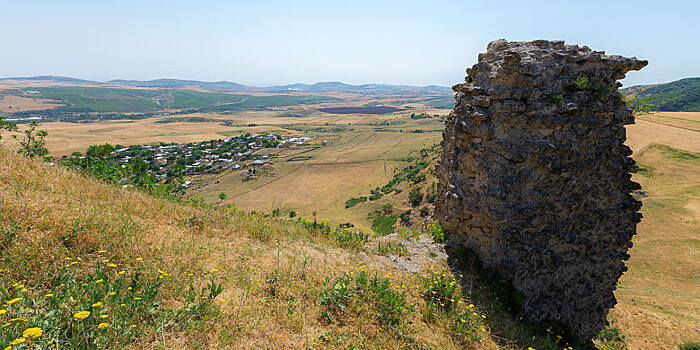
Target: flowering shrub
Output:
[
  {"x": 443, "y": 302},
  {"x": 354, "y": 291},
  {"x": 106, "y": 308},
  {"x": 435, "y": 231}
]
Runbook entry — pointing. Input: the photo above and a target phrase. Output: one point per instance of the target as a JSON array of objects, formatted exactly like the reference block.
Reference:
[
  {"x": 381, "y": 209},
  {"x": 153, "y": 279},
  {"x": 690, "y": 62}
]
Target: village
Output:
[{"x": 169, "y": 161}]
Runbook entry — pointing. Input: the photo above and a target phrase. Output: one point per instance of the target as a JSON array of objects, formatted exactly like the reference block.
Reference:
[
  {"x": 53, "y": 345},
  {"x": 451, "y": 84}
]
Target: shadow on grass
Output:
[{"x": 509, "y": 327}]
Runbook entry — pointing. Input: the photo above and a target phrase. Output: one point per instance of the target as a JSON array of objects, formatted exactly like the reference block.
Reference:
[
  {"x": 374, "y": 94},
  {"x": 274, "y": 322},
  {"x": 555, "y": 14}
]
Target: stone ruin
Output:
[{"x": 536, "y": 179}]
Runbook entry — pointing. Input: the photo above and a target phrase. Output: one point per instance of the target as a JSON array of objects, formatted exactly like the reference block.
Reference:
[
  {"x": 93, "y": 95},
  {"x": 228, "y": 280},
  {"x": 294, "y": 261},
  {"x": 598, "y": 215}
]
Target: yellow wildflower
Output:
[
  {"x": 122, "y": 272},
  {"x": 49, "y": 295},
  {"x": 102, "y": 325},
  {"x": 214, "y": 270},
  {"x": 112, "y": 293},
  {"x": 2, "y": 312},
  {"x": 223, "y": 300},
  {"x": 24, "y": 290},
  {"x": 67, "y": 258},
  {"x": 18, "y": 341},
  {"x": 13, "y": 301},
  {"x": 139, "y": 259},
  {"x": 82, "y": 314},
  {"x": 97, "y": 304},
  {"x": 111, "y": 265},
  {"x": 99, "y": 281},
  {"x": 32, "y": 333},
  {"x": 101, "y": 251},
  {"x": 104, "y": 316},
  {"x": 16, "y": 320},
  {"x": 137, "y": 298}
]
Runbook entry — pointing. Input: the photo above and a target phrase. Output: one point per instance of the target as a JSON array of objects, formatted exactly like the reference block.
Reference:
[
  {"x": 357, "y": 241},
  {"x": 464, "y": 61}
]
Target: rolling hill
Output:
[
  {"x": 227, "y": 86},
  {"x": 677, "y": 96}
]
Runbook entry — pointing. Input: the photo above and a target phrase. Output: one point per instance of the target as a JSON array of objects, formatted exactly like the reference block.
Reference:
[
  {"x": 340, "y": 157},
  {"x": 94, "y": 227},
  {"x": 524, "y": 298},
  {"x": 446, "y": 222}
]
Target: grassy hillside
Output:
[
  {"x": 677, "y": 96},
  {"x": 97, "y": 266},
  {"x": 124, "y": 100}
]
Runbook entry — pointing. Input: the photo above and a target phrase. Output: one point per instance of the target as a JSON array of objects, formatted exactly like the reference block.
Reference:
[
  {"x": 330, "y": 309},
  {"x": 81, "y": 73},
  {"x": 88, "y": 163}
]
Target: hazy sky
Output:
[{"x": 280, "y": 42}]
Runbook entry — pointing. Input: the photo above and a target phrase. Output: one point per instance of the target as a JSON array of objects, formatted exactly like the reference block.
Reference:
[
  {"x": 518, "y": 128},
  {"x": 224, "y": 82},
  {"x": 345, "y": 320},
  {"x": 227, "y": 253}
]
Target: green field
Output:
[{"x": 113, "y": 100}]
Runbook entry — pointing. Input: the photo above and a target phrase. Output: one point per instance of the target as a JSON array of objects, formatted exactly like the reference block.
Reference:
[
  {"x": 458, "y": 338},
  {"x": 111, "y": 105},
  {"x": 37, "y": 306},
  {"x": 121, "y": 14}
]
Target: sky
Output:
[{"x": 270, "y": 42}]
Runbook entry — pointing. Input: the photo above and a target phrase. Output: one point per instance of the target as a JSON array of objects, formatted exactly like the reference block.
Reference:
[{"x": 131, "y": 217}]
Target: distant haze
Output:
[{"x": 265, "y": 43}]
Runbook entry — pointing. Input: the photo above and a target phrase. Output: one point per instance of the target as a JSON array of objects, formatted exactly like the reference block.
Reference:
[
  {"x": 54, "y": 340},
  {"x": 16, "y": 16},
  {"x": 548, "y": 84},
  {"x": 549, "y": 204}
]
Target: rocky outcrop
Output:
[{"x": 536, "y": 179}]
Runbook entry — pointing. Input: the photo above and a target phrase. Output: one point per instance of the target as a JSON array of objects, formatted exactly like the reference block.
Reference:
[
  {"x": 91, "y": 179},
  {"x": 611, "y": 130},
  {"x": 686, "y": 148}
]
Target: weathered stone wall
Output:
[{"x": 535, "y": 176}]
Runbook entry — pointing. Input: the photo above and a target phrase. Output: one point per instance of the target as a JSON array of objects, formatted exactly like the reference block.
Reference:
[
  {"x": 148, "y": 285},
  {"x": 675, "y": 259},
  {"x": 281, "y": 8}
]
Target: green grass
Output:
[
  {"x": 195, "y": 99},
  {"x": 679, "y": 154},
  {"x": 185, "y": 120},
  {"x": 115, "y": 100},
  {"x": 261, "y": 102},
  {"x": 107, "y": 307},
  {"x": 384, "y": 224},
  {"x": 695, "y": 345},
  {"x": 87, "y": 99}
]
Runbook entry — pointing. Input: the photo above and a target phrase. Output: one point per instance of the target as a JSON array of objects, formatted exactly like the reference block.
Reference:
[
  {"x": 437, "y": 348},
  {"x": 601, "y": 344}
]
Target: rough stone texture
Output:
[{"x": 535, "y": 176}]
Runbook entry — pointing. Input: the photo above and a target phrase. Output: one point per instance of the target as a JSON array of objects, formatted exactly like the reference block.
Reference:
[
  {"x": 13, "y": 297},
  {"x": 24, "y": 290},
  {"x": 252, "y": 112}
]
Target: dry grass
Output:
[
  {"x": 678, "y": 130},
  {"x": 658, "y": 297},
  {"x": 272, "y": 270},
  {"x": 11, "y": 104}
]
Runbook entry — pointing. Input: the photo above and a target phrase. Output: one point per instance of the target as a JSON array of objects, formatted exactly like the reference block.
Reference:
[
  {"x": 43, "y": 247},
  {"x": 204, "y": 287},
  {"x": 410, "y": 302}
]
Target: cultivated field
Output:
[{"x": 13, "y": 103}]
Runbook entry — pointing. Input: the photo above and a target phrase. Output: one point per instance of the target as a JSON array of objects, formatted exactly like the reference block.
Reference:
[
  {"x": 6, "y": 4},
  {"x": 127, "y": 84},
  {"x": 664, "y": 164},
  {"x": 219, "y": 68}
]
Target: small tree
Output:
[
  {"x": 34, "y": 143},
  {"x": 222, "y": 196},
  {"x": 388, "y": 209},
  {"x": 640, "y": 105},
  {"x": 415, "y": 196},
  {"x": 5, "y": 125}
]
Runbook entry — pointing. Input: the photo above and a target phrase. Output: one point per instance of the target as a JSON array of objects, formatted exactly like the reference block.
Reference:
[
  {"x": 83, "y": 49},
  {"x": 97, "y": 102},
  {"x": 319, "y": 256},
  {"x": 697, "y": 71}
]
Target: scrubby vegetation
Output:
[{"x": 677, "y": 96}]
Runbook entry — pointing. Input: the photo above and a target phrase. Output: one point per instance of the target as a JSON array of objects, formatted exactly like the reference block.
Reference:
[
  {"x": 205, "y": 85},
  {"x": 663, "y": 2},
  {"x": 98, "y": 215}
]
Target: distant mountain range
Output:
[
  {"x": 226, "y": 86},
  {"x": 677, "y": 96}
]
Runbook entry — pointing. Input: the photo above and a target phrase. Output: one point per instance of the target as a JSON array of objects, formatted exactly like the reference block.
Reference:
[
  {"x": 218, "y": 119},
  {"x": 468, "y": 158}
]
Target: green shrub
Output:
[
  {"x": 354, "y": 201},
  {"x": 424, "y": 211},
  {"x": 415, "y": 196},
  {"x": 356, "y": 292},
  {"x": 690, "y": 346},
  {"x": 611, "y": 338},
  {"x": 376, "y": 196}
]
